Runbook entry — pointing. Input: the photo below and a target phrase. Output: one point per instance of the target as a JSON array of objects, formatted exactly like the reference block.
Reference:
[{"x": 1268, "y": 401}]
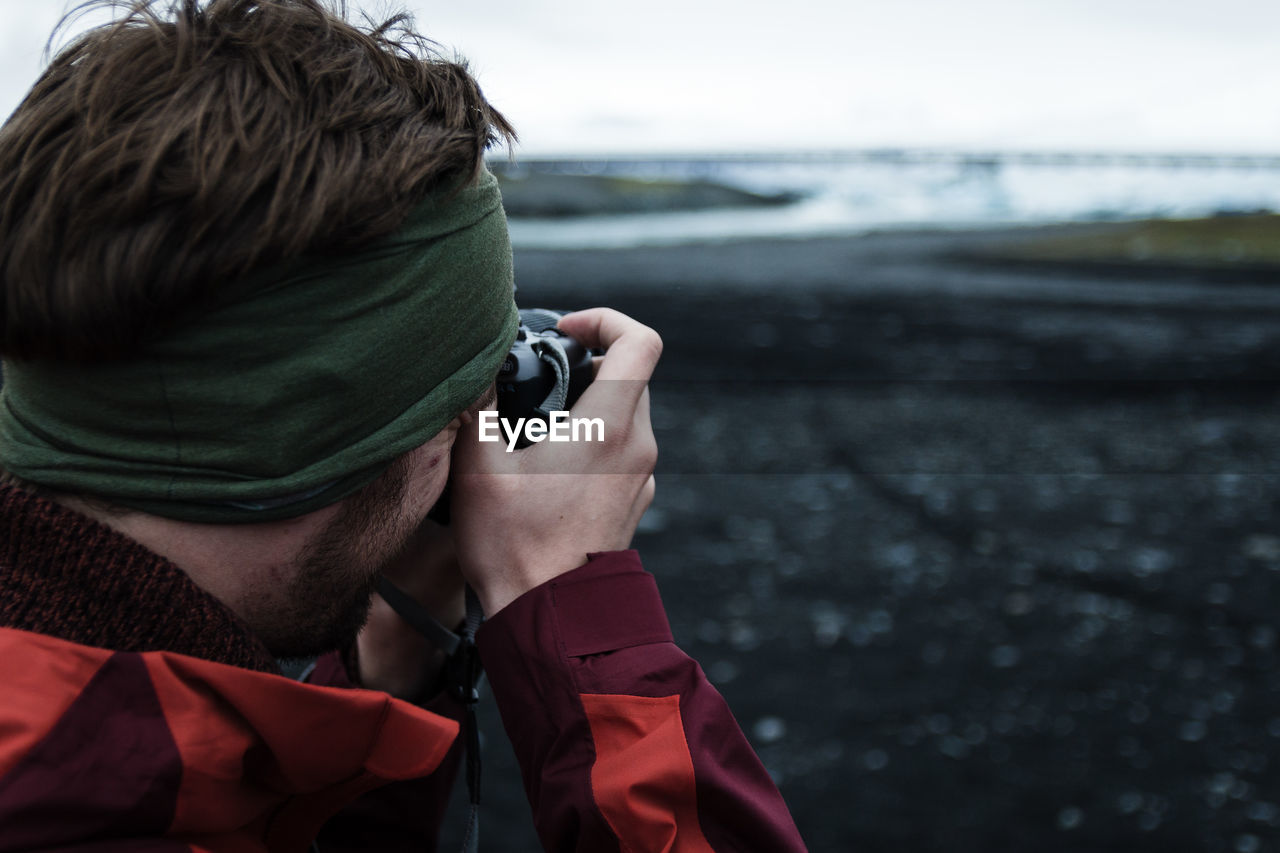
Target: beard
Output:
[{"x": 327, "y": 601}]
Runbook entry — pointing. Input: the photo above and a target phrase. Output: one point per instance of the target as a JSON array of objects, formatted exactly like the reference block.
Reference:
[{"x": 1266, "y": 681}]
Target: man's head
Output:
[
  {"x": 188, "y": 144},
  {"x": 239, "y": 213},
  {"x": 228, "y": 230}
]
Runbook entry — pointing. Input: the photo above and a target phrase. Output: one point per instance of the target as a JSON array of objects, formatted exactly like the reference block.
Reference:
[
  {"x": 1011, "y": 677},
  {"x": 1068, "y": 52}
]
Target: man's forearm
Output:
[{"x": 622, "y": 741}]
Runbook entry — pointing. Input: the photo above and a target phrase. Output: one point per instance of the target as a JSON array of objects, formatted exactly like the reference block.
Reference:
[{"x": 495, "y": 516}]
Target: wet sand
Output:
[{"x": 983, "y": 557}]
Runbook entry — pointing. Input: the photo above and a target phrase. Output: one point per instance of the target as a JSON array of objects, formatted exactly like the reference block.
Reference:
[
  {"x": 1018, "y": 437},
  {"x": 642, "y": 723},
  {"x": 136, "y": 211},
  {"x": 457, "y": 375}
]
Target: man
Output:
[{"x": 257, "y": 285}]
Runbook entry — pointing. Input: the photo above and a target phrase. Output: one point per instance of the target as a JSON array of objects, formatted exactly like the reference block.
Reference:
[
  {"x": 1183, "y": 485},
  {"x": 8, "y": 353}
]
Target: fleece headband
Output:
[{"x": 294, "y": 393}]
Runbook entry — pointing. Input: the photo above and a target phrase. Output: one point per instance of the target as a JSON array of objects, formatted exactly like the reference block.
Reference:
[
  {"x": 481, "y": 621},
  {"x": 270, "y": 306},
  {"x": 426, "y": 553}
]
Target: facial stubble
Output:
[{"x": 327, "y": 601}]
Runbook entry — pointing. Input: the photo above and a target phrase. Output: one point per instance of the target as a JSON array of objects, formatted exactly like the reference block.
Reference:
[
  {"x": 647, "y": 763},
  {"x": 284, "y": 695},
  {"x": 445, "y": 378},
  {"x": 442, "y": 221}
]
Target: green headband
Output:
[{"x": 293, "y": 394}]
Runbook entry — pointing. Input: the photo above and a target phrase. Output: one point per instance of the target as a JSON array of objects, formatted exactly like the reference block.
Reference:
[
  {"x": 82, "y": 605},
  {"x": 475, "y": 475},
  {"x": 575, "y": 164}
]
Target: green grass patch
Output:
[
  {"x": 1218, "y": 241},
  {"x": 552, "y": 195}
]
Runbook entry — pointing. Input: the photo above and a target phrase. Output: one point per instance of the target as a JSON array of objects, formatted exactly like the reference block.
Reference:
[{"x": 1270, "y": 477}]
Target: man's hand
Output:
[
  {"x": 393, "y": 656},
  {"x": 520, "y": 519}
]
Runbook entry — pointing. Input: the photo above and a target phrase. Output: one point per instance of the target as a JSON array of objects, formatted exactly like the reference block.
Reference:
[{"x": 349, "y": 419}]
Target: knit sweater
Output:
[{"x": 68, "y": 576}]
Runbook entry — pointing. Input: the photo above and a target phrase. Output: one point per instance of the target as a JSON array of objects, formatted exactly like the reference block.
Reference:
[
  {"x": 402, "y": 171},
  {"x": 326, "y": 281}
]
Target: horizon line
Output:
[{"x": 912, "y": 155}]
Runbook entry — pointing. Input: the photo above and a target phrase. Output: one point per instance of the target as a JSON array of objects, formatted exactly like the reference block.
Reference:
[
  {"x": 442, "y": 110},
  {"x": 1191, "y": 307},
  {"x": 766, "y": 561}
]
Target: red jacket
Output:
[{"x": 112, "y": 739}]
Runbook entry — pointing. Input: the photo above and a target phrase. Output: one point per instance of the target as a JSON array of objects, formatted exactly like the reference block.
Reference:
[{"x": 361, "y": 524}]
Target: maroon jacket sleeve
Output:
[
  {"x": 622, "y": 742},
  {"x": 402, "y": 817}
]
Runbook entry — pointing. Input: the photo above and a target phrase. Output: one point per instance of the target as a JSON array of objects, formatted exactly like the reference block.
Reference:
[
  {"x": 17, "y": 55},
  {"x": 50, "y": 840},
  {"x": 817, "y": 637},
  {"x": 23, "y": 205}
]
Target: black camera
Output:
[
  {"x": 534, "y": 380},
  {"x": 546, "y": 371}
]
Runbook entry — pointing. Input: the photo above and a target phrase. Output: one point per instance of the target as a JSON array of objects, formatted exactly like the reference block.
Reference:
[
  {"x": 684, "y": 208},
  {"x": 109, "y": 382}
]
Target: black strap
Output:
[
  {"x": 416, "y": 615},
  {"x": 462, "y": 672},
  {"x": 467, "y": 685}
]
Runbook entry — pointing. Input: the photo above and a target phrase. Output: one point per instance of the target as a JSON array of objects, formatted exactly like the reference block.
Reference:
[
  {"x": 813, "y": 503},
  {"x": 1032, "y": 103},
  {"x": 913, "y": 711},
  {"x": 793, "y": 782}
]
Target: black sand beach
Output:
[{"x": 985, "y": 556}]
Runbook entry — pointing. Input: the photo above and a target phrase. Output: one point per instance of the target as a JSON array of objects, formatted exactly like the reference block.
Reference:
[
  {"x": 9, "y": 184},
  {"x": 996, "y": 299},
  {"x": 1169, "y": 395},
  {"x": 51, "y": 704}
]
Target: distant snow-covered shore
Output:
[{"x": 725, "y": 198}]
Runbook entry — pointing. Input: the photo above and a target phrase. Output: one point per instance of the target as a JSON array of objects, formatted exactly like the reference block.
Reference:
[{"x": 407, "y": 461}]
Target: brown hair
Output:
[{"x": 188, "y": 143}]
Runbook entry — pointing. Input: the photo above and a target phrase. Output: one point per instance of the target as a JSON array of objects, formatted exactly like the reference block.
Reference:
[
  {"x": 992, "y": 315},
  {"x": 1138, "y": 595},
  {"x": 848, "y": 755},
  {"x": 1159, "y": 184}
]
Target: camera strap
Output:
[{"x": 462, "y": 676}]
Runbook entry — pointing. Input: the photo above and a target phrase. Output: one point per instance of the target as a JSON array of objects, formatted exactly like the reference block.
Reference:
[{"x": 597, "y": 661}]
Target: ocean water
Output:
[{"x": 845, "y": 194}]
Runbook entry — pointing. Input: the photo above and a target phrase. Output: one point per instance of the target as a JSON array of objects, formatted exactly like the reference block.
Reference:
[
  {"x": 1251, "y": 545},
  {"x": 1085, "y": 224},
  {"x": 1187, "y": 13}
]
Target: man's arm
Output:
[{"x": 623, "y": 743}]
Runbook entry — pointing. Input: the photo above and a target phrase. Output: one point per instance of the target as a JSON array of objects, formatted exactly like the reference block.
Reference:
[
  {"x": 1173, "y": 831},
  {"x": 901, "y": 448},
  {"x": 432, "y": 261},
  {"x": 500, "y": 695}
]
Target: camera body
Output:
[{"x": 527, "y": 377}]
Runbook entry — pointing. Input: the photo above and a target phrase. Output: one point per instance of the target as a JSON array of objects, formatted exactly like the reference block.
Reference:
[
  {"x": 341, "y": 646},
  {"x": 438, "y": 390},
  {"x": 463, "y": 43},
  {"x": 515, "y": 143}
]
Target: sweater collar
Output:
[{"x": 68, "y": 576}]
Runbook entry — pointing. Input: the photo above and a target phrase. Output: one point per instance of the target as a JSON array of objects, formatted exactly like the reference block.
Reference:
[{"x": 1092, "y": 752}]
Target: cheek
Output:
[{"x": 427, "y": 482}]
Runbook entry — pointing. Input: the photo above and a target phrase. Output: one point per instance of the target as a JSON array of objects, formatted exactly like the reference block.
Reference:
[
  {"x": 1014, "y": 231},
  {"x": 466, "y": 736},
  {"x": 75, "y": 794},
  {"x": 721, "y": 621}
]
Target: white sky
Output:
[{"x": 748, "y": 75}]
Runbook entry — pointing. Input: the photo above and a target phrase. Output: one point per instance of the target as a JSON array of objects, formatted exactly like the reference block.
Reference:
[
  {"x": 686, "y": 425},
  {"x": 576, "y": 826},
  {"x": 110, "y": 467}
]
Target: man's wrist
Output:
[{"x": 502, "y": 592}]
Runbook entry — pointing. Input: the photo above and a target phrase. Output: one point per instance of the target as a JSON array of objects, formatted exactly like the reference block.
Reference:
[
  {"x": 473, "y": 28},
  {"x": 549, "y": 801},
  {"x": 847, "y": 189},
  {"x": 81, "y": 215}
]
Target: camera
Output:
[
  {"x": 534, "y": 380},
  {"x": 545, "y": 371}
]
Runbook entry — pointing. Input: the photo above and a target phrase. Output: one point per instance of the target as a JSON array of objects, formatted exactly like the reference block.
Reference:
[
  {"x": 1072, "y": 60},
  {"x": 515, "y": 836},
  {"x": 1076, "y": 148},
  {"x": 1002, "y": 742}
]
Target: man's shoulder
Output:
[{"x": 169, "y": 743}]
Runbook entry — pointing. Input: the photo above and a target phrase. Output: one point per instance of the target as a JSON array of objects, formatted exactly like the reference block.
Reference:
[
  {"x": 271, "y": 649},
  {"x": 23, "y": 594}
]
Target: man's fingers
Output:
[
  {"x": 621, "y": 376},
  {"x": 633, "y": 347},
  {"x": 642, "y": 428},
  {"x": 596, "y": 327},
  {"x": 642, "y": 406}
]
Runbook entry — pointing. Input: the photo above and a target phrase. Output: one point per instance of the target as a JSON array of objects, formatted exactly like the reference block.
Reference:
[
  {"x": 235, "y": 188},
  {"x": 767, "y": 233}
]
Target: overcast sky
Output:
[{"x": 702, "y": 75}]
